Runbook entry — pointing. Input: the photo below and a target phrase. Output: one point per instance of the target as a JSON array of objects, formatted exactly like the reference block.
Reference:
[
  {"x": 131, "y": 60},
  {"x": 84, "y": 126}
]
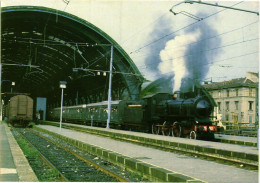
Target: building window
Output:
[
  {"x": 227, "y": 93},
  {"x": 219, "y": 106},
  {"x": 250, "y": 119},
  {"x": 227, "y": 106},
  {"x": 250, "y": 92},
  {"x": 236, "y": 105},
  {"x": 227, "y": 117},
  {"x": 219, "y": 93},
  {"x": 237, "y": 92},
  {"x": 250, "y": 105}
]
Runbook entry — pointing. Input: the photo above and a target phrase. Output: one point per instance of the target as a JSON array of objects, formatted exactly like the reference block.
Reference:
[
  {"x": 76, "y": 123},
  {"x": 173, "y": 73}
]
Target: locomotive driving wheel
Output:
[
  {"x": 176, "y": 129},
  {"x": 155, "y": 129},
  {"x": 166, "y": 129}
]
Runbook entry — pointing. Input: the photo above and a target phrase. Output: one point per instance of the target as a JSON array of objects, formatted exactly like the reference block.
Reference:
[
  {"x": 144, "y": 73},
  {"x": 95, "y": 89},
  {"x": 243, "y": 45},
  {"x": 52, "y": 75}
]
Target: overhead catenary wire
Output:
[
  {"x": 220, "y": 6},
  {"x": 232, "y": 44},
  {"x": 217, "y": 61},
  {"x": 142, "y": 29},
  {"x": 215, "y": 36},
  {"x": 84, "y": 44},
  {"x": 161, "y": 38},
  {"x": 96, "y": 45}
]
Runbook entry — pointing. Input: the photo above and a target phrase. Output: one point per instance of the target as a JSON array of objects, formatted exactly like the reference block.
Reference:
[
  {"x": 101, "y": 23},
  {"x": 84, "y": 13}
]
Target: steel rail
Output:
[
  {"x": 99, "y": 167},
  {"x": 224, "y": 160},
  {"x": 62, "y": 177}
]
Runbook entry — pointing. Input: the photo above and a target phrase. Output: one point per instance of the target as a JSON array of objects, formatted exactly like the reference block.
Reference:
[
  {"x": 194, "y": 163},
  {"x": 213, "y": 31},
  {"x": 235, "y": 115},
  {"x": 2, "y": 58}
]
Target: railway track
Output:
[
  {"x": 241, "y": 163},
  {"x": 226, "y": 141},
  {"x": 71, "y": 166}
]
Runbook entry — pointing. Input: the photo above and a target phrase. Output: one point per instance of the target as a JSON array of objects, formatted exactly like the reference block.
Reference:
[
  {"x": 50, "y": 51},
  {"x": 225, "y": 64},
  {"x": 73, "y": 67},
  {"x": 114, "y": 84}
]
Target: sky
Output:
[{"x": 202, "y": 42}]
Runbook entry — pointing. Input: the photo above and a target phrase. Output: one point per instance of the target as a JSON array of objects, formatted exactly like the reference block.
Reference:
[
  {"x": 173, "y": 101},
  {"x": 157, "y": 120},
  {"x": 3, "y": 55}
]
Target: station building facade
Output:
[{"x": 236, "y": 100}]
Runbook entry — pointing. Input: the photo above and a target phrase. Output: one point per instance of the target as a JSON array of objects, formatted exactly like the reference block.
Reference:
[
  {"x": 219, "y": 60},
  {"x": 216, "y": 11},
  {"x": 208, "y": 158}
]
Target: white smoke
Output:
[{"x": 173, "y": 59}]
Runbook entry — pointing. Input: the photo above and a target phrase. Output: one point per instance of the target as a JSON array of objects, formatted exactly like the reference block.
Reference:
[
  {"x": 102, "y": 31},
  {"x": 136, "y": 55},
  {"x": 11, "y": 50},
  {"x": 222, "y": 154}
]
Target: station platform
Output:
[
  {"x": 198, "y": 169},
  {"x": 14, "y": 166},
  {"x": 242, "y": 140},
  {"x": 232, "y": 150}
]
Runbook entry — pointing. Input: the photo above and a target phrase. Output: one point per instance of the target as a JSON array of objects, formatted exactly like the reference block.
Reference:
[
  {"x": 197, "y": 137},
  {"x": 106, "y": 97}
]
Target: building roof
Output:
[
  {"x": 42, "y": 46},
  {"x": 254, "y": 73},
  {"x": 234, "y": 83}
]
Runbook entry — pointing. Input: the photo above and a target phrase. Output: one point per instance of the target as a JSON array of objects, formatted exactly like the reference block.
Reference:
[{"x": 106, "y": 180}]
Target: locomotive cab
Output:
[{"x": 155, "y": 107}]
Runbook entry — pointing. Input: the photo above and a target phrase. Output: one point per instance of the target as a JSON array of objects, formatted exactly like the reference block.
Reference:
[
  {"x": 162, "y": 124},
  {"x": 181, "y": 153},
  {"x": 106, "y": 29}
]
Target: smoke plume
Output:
[
  {"x": 153, "y": 60},
  {"x": 188, "y": 56},
  {"x": 172, "y": 57}
]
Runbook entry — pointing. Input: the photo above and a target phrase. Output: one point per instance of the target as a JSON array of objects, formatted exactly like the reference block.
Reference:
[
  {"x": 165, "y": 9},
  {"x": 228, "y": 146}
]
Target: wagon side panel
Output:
[
  {"x": 30, "y": 108},
  {"x": 13, "y": 108}
]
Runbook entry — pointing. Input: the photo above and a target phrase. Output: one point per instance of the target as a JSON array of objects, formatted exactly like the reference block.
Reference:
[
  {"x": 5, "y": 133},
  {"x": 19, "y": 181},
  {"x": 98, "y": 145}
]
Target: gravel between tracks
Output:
[{"x": 118, "y": 170}]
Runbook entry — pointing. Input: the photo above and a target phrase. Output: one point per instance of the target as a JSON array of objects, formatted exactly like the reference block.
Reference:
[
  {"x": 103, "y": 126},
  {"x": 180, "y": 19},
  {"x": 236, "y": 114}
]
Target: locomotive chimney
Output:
[{"x": 177, "y": 95}]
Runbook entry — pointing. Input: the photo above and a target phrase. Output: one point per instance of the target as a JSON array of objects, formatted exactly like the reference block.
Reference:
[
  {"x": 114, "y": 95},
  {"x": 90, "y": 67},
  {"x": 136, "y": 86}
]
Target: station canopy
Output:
[{"x": 41, "y": 47}]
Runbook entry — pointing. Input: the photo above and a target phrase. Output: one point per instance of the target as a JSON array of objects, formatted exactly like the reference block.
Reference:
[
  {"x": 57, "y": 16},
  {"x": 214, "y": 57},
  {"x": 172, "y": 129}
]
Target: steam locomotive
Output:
[{"x": 179, "y": 115}]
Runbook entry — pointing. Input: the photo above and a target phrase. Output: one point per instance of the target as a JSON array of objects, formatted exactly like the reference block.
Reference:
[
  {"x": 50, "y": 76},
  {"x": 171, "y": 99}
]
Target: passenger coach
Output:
[{"x": 124, "y": 114}]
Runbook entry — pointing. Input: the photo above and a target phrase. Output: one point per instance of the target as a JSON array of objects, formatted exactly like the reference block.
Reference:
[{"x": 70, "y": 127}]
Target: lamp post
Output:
[
  {"x": 1, "y": 110},
  {"x": 110, "y": 83},
  {"x": 62, "y": 86},
  {"x": 13, "y": 84}
]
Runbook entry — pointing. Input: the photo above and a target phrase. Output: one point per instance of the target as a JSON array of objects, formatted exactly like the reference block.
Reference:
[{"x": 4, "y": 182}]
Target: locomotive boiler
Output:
[
  {"x": 179, "y": 115},
  {"x": 182, "y": 116}
]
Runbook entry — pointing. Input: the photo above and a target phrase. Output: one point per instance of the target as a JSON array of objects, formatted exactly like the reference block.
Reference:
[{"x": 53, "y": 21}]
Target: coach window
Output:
[{"x": 154, "y": 101}]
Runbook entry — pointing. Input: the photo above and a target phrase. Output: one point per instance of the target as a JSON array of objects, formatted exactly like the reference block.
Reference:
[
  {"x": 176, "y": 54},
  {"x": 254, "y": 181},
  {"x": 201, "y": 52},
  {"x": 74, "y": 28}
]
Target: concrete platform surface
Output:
[
  {"x": 14, "y": 166},
  {"x": 200, "y": 169},
  {"x": 201, "y": 143},
  {"x": 237, "y": 138},
  {"x": 7, "y": 167}
]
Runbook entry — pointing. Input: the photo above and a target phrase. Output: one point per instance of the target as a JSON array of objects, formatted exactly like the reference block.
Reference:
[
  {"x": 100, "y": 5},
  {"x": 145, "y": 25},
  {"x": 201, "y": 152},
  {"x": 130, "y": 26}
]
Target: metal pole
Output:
[
  {"x": 61, "y": 107},
  {"x": 109, "y": 89},
  {"x": 1, "y": 112},
  {"x": 1, "y": 108}
]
